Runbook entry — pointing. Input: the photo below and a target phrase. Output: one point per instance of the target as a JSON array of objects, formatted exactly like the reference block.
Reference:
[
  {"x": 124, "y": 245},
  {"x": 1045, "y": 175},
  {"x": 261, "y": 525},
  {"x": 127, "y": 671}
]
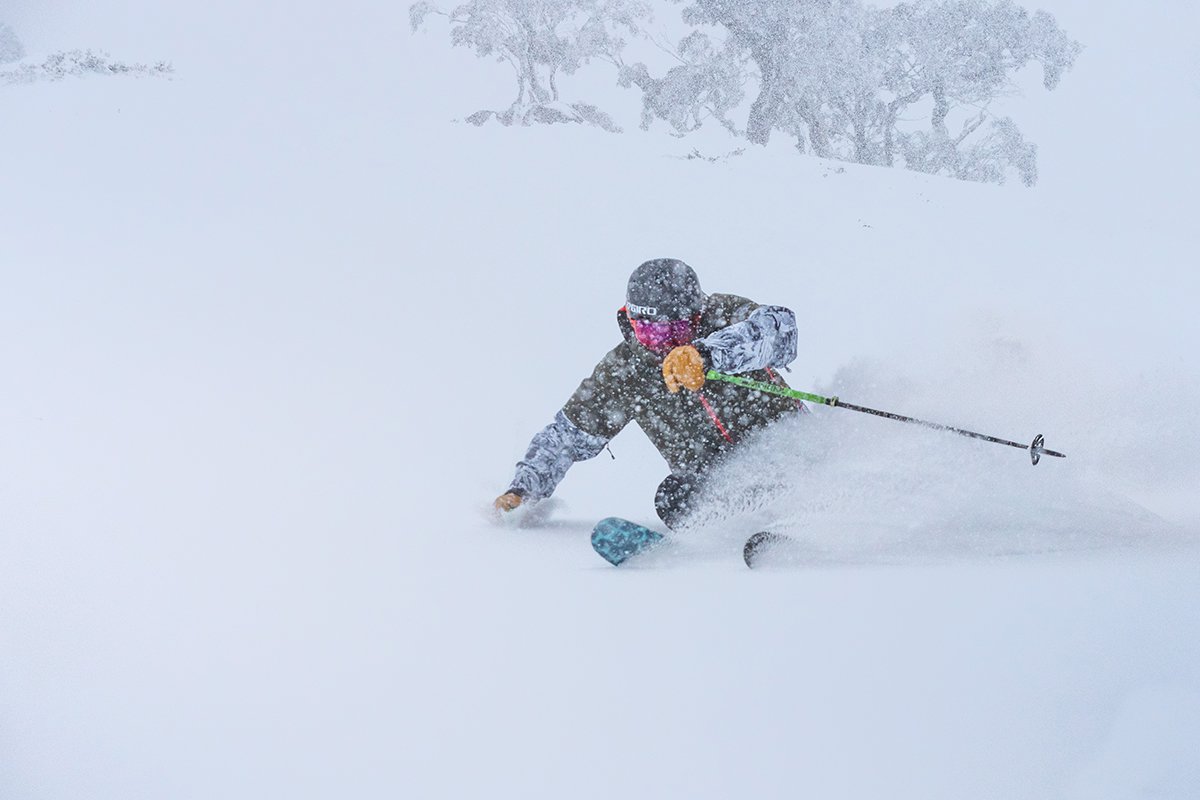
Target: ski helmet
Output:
[{"x": 664, "y": 289}]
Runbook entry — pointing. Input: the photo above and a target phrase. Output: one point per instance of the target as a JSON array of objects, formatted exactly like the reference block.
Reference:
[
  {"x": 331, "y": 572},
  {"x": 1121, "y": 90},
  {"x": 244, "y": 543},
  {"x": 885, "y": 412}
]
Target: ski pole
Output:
[{"x": 1036, "y": 450}]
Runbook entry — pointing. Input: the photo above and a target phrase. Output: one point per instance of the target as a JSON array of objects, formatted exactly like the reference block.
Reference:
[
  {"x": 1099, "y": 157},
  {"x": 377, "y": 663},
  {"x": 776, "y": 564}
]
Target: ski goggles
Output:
[{"x": 662, "y": 337}]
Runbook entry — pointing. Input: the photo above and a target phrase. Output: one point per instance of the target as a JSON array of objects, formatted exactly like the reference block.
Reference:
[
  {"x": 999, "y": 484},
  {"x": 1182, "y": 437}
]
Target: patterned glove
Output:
[
  {"x": 507, "y": 502},
  {"x": 684, "y": 368}
]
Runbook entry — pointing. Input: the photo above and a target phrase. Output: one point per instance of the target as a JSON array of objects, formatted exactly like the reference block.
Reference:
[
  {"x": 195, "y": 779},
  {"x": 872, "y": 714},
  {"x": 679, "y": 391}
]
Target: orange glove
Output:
[
  {"x": 507, "y": 502},
  {"x": 683, "y": 368}
]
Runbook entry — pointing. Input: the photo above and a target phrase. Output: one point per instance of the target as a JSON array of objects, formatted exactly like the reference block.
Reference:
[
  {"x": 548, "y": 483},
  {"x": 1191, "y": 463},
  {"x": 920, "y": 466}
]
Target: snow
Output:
[{"x": 274, "y": 332}]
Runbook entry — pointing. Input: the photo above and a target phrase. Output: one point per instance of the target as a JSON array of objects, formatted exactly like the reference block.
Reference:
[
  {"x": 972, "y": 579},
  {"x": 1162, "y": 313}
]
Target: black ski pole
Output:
[{"x": 1036, "y": 450}]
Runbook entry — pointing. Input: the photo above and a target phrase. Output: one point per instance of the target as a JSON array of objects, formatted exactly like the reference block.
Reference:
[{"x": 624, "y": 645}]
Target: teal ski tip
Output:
[{"x": 617, "y": 540}]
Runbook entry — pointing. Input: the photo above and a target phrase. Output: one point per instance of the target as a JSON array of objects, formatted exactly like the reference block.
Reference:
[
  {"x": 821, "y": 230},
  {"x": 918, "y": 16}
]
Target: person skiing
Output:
[{"x": 672, "y": 335}]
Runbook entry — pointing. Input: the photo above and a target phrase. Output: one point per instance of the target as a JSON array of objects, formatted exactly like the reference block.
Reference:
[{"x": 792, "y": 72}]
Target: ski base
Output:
[{"x": 618, "y": 540}]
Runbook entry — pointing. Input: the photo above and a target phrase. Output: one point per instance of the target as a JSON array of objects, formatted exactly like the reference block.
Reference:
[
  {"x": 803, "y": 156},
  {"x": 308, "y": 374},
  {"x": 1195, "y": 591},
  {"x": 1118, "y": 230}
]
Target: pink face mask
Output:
[{"x": 662, "y": 337}]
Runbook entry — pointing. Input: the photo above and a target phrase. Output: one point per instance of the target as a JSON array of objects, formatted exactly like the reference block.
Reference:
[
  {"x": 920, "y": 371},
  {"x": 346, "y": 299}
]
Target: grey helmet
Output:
[{"x": 664, "y": 289}]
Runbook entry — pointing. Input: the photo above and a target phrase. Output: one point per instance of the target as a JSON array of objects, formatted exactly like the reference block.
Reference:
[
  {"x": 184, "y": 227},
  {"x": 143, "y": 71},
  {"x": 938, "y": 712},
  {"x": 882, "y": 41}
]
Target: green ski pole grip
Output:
[{"x": 770, "y": 388}]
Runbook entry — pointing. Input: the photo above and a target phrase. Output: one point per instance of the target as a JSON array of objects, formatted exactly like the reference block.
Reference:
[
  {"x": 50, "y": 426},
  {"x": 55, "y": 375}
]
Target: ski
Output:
[
  {"x": 618, "y": 540},
  {"x": 762, "y": 544}
]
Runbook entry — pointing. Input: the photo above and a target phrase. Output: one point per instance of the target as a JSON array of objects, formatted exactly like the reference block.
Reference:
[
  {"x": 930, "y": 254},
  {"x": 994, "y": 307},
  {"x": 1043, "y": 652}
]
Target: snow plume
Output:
[{"x": 862, "y": 488}]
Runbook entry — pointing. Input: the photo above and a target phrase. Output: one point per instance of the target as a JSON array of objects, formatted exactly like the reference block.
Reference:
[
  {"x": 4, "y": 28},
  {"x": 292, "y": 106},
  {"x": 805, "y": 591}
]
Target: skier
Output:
[{"x": 673, "y": 334}]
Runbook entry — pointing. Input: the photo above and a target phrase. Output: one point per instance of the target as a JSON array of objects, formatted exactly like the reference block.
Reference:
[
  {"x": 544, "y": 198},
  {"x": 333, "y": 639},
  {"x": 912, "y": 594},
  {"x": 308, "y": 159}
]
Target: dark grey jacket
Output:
[{"x": 692, "y": 430}]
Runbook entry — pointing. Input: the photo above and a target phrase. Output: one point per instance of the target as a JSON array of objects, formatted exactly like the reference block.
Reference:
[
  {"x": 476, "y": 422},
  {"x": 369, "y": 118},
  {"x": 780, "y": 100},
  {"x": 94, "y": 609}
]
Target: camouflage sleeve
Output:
[
  {"x": 551, "y": 453},
  {"x": 594, "y": 414},
  {"x": 766, "y": 338}
]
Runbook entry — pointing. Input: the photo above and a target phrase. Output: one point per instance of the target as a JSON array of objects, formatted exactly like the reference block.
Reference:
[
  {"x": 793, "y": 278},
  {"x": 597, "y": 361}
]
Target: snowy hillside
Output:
[{"x": 274, "y": 332}]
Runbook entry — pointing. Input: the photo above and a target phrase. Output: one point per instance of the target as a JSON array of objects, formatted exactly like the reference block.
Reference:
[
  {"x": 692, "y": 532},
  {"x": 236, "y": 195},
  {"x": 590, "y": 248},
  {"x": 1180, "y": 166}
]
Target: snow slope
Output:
[{"x": 274, "y": 332}]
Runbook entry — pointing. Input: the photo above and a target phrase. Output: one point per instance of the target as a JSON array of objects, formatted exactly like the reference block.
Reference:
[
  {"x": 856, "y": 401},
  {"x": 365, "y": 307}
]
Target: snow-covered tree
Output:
[
  {"x": 10, "y": 46},
  {"x": 64, "y": 64},
  {"x": 987, "y": 158},
  {"x": 853, "y": 82},
  {"x": 960, "y": 56},
  {"x": 539, "y": 40},
  {"x": 708, "y": 83},
  {"x": 831, "y": 73},
  {"x": 762, "y": 33},
  {"x": 77, "y": 63}
]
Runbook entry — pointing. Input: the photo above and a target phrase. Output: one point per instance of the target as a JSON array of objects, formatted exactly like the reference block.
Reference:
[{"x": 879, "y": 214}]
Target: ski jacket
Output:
[{"x": 691, "y": 430}]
